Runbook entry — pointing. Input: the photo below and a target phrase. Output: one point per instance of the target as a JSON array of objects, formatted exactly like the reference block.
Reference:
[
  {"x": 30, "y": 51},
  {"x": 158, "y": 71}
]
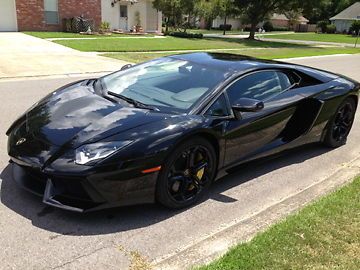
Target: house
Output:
[
  {"x": 345, "y": 18},
  {"x": 281, "y": 21},
  {"x": 277, "y": 20},
  {"x": 48, "y": 15},
  {"x": 122, "y": 14},
  {"x": 236, "y": 23}
]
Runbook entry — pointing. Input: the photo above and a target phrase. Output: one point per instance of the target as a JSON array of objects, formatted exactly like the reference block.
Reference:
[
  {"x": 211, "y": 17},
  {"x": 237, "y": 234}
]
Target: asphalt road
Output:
[{"x": 33, "y": 236}]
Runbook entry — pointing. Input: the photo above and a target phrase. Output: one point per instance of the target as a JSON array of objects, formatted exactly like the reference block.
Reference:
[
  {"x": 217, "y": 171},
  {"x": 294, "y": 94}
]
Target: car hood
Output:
[{"x": 76, "y": 115}]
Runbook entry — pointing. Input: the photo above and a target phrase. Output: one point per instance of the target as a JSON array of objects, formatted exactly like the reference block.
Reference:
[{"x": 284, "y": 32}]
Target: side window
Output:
[
  {"x": 218, "y": 108},
  {"x": 260, "y": 85}
]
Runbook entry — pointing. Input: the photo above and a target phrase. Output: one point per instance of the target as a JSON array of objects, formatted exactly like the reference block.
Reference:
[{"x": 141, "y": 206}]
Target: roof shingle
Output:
[{"x": 350, "y": 13}]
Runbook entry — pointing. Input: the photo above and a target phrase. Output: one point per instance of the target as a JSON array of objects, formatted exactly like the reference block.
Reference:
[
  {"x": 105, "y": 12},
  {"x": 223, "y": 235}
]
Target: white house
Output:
[
  {"x": 49, "y": 15},
  {"x": 122, "y": 14},
  {"x": 345, "y": 18}
]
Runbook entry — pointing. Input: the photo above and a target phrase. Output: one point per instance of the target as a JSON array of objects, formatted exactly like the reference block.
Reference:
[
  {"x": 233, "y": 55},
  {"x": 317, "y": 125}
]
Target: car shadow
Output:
[{"x": 128, "y": 218}]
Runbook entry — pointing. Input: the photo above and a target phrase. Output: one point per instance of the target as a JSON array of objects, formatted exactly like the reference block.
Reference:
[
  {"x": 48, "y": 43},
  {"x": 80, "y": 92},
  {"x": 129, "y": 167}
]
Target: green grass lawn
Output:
[
  {"x": 324, "y": 235},
  {"x": 269, "y": 53},
  {"x": 220, "y": 32},
  {"x": 166, "y": 44},
  {"x": 45, "y": 35},
  {"x": 338, "y": 38}
]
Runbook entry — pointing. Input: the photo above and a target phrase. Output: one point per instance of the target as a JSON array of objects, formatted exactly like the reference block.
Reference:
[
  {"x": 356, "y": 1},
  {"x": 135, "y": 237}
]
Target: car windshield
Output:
[{"x": 164, "y": 83}]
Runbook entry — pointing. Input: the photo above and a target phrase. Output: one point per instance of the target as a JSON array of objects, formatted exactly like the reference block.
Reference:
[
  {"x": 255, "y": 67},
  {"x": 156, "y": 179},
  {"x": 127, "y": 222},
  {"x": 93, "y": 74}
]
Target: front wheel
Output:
[
  {"x": 186, "y": 174},
  {"x": 340, "y": 125}
]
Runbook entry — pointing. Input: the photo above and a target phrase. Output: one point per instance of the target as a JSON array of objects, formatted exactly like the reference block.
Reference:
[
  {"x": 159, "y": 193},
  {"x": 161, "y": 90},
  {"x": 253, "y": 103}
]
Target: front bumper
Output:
[{"x": 86, "y": 193}]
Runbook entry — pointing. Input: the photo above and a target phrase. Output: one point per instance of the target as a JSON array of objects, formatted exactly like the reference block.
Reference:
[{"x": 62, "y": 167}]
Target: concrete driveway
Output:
[
  {"x": 33, "y": 236},
  {"x": 23, "y": 55}
]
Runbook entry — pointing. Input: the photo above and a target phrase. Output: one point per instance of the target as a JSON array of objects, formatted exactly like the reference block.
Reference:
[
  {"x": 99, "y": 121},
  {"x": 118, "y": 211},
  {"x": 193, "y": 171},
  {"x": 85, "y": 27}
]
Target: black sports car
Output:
[{"x": 162, "y": 130}]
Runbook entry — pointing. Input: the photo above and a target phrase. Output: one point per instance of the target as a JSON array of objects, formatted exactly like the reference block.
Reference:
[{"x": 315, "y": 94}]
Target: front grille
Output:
[
  {"x": 71, "y": 187},
  {"x": 36, "y": 175}
]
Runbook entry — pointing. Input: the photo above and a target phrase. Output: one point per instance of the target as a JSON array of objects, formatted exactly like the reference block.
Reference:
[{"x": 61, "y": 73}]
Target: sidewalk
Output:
[
  {"x": 308, "y": 42},
  {"x": 26, "y": 56},
  {"x": 267, "y": 37}
]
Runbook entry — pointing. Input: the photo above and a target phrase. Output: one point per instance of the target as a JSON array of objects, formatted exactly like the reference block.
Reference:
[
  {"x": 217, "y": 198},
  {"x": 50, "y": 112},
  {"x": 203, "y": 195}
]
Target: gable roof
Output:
[
  {"x": 282, "y": 17},
  {"x": 277, "y": 16},
  {"x": 302, "y": 19},
  {"x": 350, "y": 13}
]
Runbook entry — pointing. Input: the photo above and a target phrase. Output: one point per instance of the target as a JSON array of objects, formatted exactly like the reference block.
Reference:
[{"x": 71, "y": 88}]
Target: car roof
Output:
[
  {"x": 235, "y": 63},
  {"x": 224, "y": 61}
]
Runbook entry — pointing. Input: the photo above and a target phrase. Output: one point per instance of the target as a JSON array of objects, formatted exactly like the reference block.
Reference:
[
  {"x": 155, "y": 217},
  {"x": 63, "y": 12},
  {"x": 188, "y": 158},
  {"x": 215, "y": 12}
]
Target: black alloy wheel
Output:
[
  {"x": 341, "y": 124},
  {"x": 187, "y": 174}
]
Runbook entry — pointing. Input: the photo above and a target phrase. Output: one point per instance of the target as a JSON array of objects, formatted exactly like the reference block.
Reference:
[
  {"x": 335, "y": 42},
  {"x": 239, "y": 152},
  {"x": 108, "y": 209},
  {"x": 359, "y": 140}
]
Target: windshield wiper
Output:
[{"x": 134, "y": 102}]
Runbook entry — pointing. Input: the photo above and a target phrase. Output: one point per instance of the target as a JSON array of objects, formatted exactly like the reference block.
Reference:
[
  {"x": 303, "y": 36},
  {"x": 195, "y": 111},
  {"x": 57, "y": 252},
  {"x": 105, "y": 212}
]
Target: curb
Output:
[
  {"x": 245, "y": 229},
  {"x": 55, "y": 76}
]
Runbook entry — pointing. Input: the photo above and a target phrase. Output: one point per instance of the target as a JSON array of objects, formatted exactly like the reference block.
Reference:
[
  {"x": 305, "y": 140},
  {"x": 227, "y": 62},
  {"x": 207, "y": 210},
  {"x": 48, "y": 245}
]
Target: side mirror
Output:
[
  {"x": 247, "y": 105},
  {"x": 126, "y": 67}
]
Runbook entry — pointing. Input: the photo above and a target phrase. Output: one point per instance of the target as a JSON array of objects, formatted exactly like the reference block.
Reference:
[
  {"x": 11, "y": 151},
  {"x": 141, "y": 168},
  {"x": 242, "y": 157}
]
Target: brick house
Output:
[
  {"x": 281, "y": 21},
  {"x": 48, "y": 15},
  {"x": 277, "y": 20}
]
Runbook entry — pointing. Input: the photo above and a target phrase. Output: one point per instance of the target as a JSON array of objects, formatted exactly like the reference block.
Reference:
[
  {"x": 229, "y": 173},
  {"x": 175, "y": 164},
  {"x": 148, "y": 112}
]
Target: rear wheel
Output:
[
  {"x": 340, "y": 125},
  {"x": 187, "y": 174}
]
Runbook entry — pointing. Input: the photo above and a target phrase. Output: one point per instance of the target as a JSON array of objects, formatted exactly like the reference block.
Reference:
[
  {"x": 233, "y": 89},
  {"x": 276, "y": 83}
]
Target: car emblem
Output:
[{"x": 21, "y": 141}]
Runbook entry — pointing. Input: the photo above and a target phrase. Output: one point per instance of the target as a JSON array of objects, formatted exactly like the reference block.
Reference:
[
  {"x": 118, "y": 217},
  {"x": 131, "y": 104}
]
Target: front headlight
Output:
[{"x": 90, "y": 153}]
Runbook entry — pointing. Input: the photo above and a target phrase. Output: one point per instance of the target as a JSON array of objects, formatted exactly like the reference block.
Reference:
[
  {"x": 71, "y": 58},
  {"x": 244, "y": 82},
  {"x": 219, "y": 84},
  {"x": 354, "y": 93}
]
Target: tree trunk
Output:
[
  {"x": 224, "y": 33},
  {"x": 252, "y": 31},
  {"x": 166, "y": 25}
]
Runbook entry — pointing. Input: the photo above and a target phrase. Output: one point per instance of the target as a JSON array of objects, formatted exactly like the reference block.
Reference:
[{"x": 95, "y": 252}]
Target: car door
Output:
[{"x": 261, "y": 131}]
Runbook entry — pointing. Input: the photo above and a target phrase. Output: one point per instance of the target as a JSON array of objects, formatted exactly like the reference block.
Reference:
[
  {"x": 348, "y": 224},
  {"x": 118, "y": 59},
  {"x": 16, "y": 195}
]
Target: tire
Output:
[
  {"x": 179, "y": 184},
  {"x": 340, "y": 125}
]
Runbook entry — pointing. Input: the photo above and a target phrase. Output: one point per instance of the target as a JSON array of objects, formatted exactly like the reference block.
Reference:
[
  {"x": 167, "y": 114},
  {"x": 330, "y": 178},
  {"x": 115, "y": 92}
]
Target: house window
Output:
[{"x": 51, "y": 11}]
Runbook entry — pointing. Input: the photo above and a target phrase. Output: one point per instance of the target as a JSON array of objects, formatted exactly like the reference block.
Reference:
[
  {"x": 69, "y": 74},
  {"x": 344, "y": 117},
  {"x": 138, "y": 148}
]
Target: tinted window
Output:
[
  {"x": 260, "y": 85},
  {"x": 165, "y": 82},
  {"x": 218, "y": 108}
]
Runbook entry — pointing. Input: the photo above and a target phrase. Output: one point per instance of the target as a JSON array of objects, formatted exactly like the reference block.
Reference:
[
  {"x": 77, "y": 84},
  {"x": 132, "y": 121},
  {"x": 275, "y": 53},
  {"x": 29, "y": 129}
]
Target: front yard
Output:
[
  {"x": 338, "y": 38},
  {"x": 164, "y": 44},
  {"x": 141, "y": 48},
  {"x": 324, "y": 235},
  {"x": 264, "y": 53}
]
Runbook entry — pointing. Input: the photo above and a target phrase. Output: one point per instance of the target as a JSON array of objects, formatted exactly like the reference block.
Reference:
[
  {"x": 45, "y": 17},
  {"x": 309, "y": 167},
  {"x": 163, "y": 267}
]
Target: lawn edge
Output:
[{"x": 216, "y": 245}]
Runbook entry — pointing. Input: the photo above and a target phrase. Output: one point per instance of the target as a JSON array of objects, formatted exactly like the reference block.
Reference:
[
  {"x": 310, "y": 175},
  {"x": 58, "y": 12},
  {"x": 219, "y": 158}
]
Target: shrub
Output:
[
  {"x": 323, "y": 26},
  {"x": 330, "y": 29},
  {"x": 248, "y": 29},
  {"x": 279, "y": 28},
  {"x": 104, "y": 26},
  {"x": 186, "y": 35},
  {"x": 355, "y": 28},
  {"x": 226, "y": 27},
  {"x": 137, "y": 18},
  {"x": 268, "y": 27}
]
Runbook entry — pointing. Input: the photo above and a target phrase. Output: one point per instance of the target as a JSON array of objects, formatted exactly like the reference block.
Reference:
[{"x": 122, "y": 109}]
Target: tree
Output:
[
  {"x": 170, "y": 9},
  {"x": 257, "y": 11},
  {"x": 225, "y": 9},
  {"x": 322, "y": 10},
  {"x": 355, "y": 27},
  {"x": 207, "y": 9},
  {"x": 210, "y": 9},
  {"x": 174, "y": 11},
  {"x": 293, "y": 16}
]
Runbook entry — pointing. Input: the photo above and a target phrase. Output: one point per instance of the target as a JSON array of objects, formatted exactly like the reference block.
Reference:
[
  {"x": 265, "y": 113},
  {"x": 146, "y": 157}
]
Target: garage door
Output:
[{"x": 8, "y": 15}]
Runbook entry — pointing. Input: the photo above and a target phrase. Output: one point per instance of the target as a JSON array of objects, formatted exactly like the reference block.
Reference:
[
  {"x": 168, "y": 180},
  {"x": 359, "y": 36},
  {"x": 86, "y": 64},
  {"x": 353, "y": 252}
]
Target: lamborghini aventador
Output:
[{"x": 163, "y": 130}]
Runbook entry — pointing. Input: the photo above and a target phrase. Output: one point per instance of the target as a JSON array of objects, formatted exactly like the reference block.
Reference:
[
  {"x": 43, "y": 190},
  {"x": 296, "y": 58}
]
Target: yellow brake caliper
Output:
[{"x": 200, "y": 173}]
